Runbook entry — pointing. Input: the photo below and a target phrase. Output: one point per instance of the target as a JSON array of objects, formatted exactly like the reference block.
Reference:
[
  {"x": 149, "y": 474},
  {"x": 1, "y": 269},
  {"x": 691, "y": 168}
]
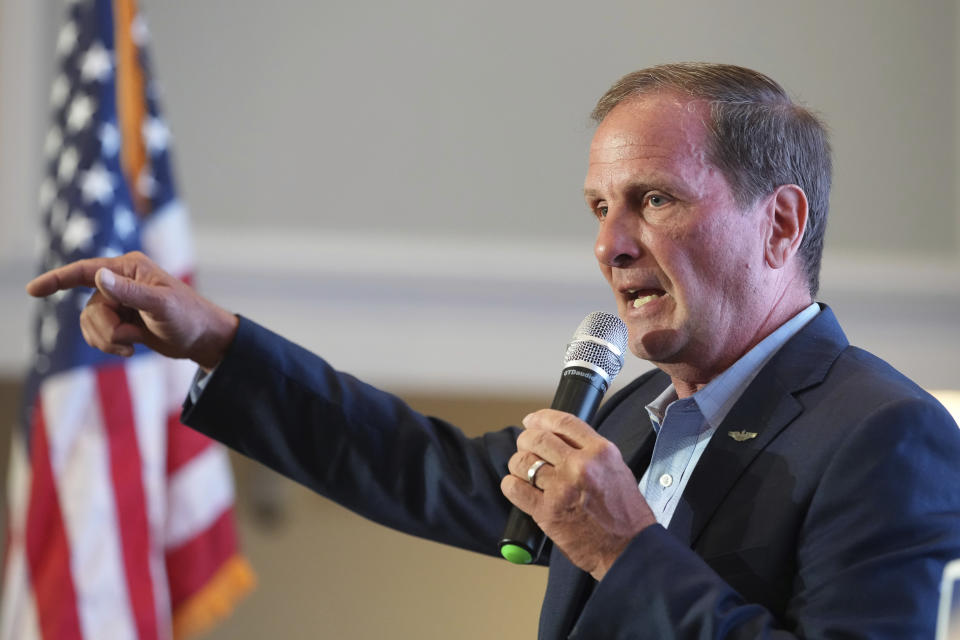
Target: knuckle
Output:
[
  {"x": 568, "y": 420},
  {"x": 536, "y": 438},
  {"x": 144, "y": 265},
  {"x": 525, "y": 439},
  {"x": 611, "y": 454},
  {"x": 576, "y": 468}
]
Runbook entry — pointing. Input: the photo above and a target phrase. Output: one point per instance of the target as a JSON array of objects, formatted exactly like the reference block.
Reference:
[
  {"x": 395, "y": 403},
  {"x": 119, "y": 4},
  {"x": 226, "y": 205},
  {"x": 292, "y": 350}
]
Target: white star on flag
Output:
[
  {"x": 97, "y": 63},
  {"x": 58, "y": 216},
  {"x": 124, "y": 222},
  {"x": 49, "y": 329},
  {"x": 83, "y": 297},
  {"x": 57, "y": 296},
  {"x": 81, "y": 110},
  {"x": 53, "y": 142},
  {"x": 78, "y": 234},
  {"x": 139, "y": 32},
  {"x": 146, "y": 183},
  {"x": 59, "y": 91},
  {"x": 67, "y": 166},
  {"x": 156, "y": 134},
  {"x": 67, "y": 39},
  {"x": 109, "y": 139},
  {"x": 48, "y": 192},
  {"x": 97, "y": 185}
]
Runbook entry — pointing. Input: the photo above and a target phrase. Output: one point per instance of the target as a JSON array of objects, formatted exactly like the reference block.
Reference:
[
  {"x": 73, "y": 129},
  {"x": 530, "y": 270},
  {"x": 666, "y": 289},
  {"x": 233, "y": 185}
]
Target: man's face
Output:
[{"x": 685, "y": 262}]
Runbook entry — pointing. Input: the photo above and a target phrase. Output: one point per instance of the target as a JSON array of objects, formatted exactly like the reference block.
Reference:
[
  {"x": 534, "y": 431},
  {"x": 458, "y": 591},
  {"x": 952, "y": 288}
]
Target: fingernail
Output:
[{"x": 107, "y": 279}]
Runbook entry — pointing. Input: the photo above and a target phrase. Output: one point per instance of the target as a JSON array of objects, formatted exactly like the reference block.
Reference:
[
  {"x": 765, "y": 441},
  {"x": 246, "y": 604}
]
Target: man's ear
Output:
[{"x": 787, "y": 221}]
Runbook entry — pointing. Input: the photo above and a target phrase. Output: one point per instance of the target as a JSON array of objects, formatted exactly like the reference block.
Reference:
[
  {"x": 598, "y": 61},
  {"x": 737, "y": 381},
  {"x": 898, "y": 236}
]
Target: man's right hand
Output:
[{"x": 136, "y": 301}]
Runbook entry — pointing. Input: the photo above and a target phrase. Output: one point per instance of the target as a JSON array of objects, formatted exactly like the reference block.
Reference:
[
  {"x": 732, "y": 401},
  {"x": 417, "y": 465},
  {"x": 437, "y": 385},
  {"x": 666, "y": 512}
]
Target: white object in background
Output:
[
  {"x": 951, "y": 400},
  {"x": 948, "y": 619}
]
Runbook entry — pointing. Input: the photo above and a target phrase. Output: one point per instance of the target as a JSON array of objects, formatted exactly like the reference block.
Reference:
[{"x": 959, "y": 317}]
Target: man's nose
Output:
[{"x": 617, "y": 243}]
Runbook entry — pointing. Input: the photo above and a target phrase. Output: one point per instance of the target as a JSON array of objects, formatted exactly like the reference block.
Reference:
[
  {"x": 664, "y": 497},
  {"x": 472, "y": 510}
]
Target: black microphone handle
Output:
[{"x": 579, "y": 392}]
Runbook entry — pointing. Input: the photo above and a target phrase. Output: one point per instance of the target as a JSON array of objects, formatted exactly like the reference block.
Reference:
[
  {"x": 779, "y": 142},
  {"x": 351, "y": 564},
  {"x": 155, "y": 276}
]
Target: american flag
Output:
[{"x": 120, "y": 519}]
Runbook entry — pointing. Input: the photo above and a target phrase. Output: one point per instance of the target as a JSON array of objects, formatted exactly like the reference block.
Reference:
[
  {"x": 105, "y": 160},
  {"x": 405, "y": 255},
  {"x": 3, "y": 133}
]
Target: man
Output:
[{"x": 766, "y": 480}]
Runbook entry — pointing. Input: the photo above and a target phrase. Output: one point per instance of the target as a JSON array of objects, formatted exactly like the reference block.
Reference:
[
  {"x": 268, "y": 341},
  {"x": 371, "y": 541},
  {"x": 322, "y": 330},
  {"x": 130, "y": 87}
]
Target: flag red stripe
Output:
[
  {"x": 183, "y": 443},
  {"x": 193, "y": 563},
  {"x": 126, "y": 473},
  {"x": 47, "y": 548}
]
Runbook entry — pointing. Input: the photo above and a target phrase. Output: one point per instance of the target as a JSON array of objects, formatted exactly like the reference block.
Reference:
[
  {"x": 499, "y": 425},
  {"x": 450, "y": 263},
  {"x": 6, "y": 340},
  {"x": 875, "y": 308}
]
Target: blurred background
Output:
[{"x": 397, "y": 186}]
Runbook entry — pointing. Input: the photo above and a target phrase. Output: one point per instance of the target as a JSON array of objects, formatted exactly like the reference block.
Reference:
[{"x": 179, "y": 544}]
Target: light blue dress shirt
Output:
[{"x": 684, "y": 426}]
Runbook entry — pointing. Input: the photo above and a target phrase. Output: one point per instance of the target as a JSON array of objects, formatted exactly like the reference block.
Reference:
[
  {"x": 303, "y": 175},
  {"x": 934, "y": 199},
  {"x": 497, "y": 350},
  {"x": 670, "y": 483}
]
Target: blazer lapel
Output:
[{"x": 766, "y": 408}]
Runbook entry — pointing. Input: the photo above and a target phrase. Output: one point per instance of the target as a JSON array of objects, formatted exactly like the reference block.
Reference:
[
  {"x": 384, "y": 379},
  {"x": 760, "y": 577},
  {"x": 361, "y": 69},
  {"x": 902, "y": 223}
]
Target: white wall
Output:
[{"x": 397, "y": 184}]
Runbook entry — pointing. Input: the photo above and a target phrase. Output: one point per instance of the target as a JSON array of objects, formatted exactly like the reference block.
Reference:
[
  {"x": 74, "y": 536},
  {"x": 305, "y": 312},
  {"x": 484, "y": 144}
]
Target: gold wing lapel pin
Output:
[{"x": 742, "y": 436}]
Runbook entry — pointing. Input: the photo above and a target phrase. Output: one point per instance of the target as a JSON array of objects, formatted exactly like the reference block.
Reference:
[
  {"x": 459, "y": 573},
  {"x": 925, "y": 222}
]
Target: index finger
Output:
[
  {"x": 566, "y": 425},
  {"x": 76, "y": 274}
]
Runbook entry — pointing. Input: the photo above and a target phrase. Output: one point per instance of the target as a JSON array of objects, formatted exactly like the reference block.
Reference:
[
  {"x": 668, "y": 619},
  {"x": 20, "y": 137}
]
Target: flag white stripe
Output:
[
  {"x": 146, "y": 380},
  {"x": 18, "y": 615},
  {"x": 18, "y": 618},
  {"x": 79, "y": 446},
  {"x": 18, "y": 486},
  {"x": 200, "y": 491}
]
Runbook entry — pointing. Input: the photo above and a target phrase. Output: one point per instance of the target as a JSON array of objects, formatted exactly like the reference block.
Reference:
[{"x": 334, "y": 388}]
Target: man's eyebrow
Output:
[{"x": 641, "y": 186}]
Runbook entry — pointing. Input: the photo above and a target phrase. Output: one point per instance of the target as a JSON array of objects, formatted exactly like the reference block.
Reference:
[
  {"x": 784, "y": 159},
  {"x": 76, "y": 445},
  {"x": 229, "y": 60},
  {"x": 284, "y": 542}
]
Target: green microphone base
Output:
[{"x": 516, "y": 554}]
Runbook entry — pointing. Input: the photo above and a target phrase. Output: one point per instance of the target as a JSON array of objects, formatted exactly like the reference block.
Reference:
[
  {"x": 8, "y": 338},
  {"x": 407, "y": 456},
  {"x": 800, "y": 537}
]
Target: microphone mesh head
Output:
[{"x": 607, "y": 328}]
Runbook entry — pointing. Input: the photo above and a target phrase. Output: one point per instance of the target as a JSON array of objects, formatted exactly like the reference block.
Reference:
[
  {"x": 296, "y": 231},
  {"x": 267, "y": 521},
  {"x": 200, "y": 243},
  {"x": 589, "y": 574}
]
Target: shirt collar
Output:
[{"x": 717, "y": 398}]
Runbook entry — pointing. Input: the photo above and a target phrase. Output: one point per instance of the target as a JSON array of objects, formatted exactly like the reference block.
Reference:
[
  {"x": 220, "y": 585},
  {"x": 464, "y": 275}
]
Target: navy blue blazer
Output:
[{"x": 834, "y": 521}]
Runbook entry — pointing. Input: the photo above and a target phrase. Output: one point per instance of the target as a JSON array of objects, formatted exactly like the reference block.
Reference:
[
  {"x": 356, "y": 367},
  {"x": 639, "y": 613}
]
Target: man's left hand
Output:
[{"x": 586, "y": 499}]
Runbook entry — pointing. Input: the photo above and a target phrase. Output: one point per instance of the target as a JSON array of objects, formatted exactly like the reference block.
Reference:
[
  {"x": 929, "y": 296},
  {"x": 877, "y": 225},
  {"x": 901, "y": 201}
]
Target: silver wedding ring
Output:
[{"x": 532, "y": 472}]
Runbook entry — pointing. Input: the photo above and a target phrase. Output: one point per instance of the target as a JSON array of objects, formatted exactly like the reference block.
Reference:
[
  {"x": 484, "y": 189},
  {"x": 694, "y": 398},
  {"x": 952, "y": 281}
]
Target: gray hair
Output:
[{"x": 759, "y": 138}]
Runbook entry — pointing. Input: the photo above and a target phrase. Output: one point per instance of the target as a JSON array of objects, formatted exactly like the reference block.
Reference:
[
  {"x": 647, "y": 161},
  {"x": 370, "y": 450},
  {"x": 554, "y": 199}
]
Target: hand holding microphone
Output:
[{"x": 566, "y": 481}]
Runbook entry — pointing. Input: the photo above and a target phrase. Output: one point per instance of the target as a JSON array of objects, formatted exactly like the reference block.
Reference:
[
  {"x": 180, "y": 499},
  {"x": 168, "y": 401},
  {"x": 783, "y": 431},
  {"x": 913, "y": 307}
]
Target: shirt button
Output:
[{"x": 666, "y": 480}]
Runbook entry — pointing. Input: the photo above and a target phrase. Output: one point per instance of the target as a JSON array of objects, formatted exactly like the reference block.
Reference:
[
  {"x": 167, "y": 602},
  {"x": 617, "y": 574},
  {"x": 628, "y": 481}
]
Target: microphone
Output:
[{"x": 594, "y": 357}]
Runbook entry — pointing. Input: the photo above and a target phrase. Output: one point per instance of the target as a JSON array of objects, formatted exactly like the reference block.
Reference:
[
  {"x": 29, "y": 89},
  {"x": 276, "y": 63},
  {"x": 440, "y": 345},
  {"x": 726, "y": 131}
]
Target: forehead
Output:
[{"x": 661, "y": 132}]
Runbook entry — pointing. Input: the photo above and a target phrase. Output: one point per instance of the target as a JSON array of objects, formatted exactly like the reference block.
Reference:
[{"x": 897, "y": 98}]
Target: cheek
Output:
[{"x": 607, "y": 272}]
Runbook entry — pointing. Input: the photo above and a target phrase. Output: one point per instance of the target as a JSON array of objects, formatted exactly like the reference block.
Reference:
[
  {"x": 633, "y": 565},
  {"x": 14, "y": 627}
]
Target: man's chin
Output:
[{"x": 657, "y": 345}]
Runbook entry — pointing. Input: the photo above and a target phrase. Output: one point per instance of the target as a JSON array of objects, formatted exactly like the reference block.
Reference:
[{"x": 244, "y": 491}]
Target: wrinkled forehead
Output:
[{"x": 651, "y": 123}]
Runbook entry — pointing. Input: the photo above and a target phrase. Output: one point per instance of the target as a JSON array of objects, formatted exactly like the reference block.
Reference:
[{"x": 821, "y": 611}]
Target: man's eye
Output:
[
  {"x": 602, "y": 211},
  {"x": 655, "y": 200}
]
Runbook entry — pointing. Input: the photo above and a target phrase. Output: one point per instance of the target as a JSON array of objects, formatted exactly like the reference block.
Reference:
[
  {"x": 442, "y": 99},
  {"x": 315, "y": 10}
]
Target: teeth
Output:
[{"x": 639, "y": 302}]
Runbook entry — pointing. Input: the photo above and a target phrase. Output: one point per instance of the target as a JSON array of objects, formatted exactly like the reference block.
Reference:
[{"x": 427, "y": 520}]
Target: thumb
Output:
[{"x": 126, "y": 291}]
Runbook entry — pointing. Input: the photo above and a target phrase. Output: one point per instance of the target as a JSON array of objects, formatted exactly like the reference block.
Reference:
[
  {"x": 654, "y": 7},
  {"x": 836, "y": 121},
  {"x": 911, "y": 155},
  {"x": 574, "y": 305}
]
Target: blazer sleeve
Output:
[
  {"x": 279, "y": 404},
  {"x": 882, "y": 522}
]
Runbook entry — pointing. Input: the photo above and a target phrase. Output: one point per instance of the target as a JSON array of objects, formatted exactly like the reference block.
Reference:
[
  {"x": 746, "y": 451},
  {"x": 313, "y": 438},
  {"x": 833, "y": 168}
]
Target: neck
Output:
[{"x": 688, "y": 378}]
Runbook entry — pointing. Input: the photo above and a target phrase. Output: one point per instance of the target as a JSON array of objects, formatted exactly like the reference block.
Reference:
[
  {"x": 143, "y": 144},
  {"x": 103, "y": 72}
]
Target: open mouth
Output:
[{"x": 640, "y": 297}]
